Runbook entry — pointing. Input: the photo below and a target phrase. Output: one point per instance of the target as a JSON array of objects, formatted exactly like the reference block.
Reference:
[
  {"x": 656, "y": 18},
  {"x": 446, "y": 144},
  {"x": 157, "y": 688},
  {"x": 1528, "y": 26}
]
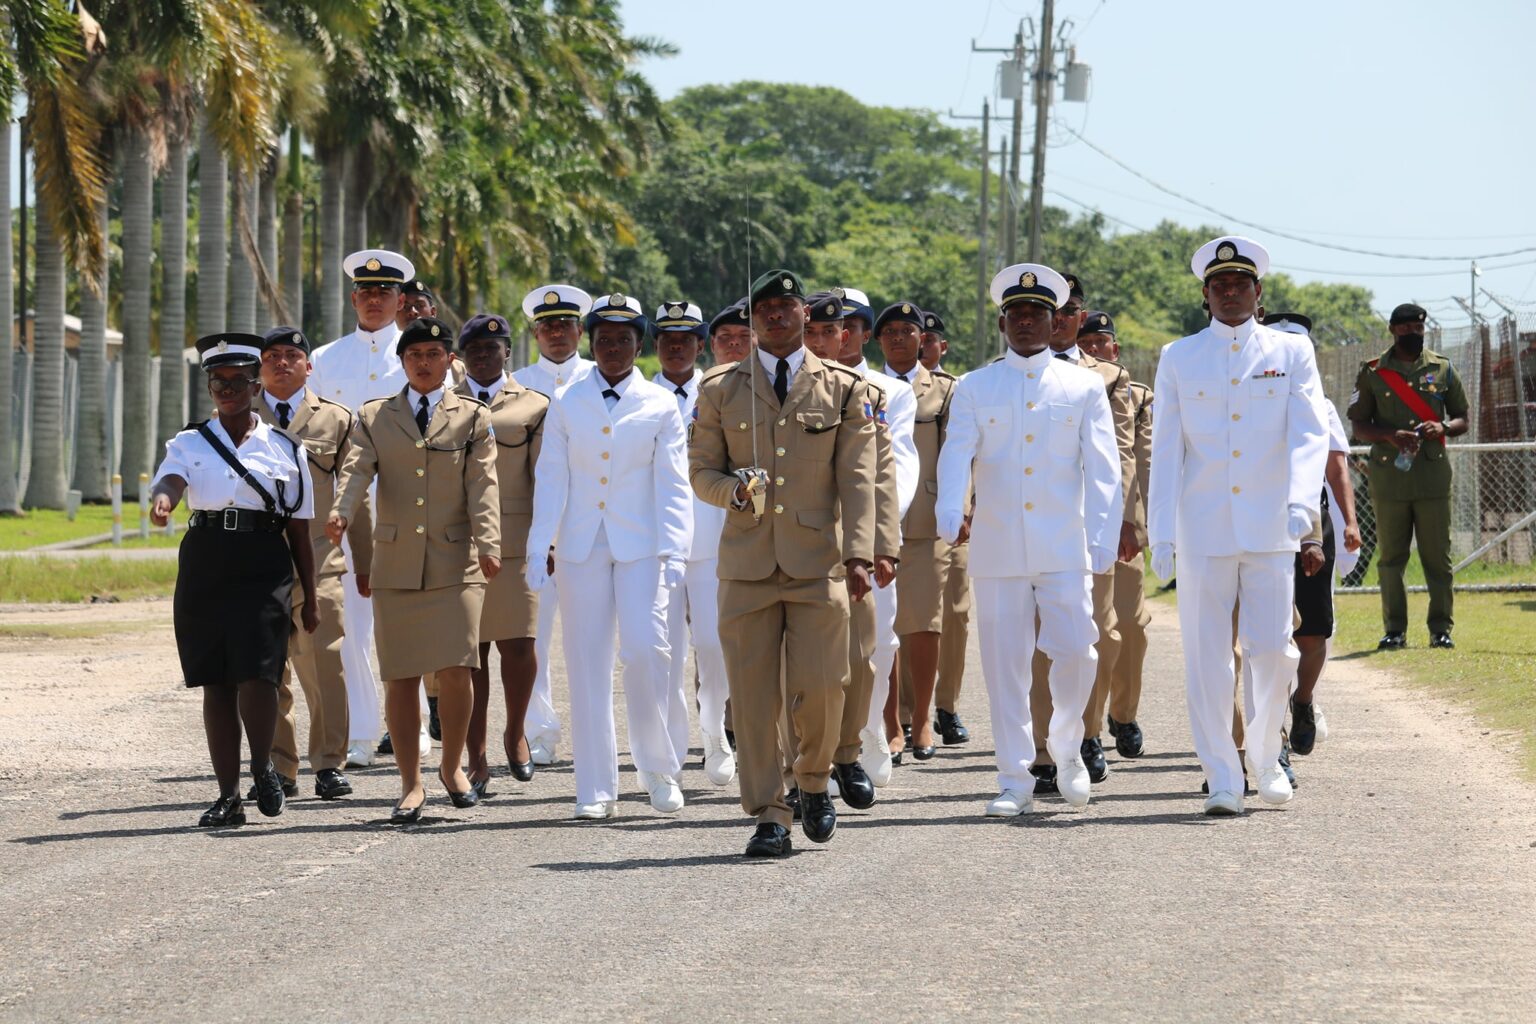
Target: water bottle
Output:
[{"x": 1404, "y": 461}]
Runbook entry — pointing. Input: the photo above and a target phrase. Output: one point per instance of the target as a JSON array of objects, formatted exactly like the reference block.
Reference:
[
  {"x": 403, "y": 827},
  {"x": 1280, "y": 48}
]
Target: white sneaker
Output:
[
  {"x": 1319, "y": 722},
  {"x": 1072, "y": 780},
  {"x": 1224, "y": 803},
  {"x": 666, "y": 795},
  {"x": 597, "y": 811},
  {"x": 359, "y": 753},
  {"x": 541, "y": 750},
  {"x": 1274, "y": 787},
  {"x": 426, "y": 743},
  {"x": 875, "y": 756},
  {"x": 1010, "y": 803},
  {"x": 719, "y": 760}
]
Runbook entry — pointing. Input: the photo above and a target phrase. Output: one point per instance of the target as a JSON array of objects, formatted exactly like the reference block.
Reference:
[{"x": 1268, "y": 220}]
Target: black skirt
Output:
[{"x": 233, "y": 611}]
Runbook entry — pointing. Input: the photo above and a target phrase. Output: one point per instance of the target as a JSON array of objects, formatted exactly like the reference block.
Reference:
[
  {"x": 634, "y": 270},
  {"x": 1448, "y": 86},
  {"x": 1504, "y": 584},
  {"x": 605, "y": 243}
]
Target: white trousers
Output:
[
  {"x": 542, "y": 720},
  {"x": 1005, "y": 606},
  {"x": 597, "y": 595},
  {"x": 1208, "y": 587},
  {"x": 693, "y": 615},
  {"x": 887, "y": 646},
  {"x": 364, "y": 715}
]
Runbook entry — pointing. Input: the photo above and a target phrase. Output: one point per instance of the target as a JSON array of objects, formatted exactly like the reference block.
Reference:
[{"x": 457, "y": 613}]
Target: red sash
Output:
[{"x": 1409, "y": 397}]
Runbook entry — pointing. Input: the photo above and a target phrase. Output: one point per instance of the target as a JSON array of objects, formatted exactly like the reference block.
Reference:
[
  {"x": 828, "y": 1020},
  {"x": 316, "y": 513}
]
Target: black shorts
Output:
[{"x": 1314, "y": 594}]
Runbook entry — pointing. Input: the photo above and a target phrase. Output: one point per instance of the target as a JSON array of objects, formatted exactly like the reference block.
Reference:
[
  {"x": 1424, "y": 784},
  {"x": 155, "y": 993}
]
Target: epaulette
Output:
[
  {"x": 1370, "y": 364},
  {"x": 942, "y": 373},
  {"x": 472, "y": 398},
  {"x": 326, "y": 401},
  {"x": 997, "y": 359},
  {"x": 840, "y": 368},
  {"x": 718, "y": 371},
  {"x": 373, "y": 401}
]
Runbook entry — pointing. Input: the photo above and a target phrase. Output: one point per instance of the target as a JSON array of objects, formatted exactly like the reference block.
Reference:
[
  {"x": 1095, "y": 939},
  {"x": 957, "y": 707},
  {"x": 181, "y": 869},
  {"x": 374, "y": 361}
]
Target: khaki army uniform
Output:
[
  {"x": 324, "y": 429},
  {"x": 783, "y": 597},
  {"x": 1131, "y": 615},
  {"x": 1416, "y": 505},
  {"x": 511, "y": 608},
  {"x": 1117, "y": 384},
  {"x": 957, "y": 628},
  {"x": 438, "y": 511}
]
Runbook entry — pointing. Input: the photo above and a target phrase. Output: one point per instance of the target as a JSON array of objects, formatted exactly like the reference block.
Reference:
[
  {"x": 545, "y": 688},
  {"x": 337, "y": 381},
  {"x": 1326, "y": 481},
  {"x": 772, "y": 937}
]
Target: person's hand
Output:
[
  {"x": 335, "y": 527},
  {"x": 364, "y": 583},
  {"x": 672, "y": 572},
  {"x": 1101, "y": 560},
  {"x": 490, "y": 565},
  {"x": 1406, "y": 441},
  {"x": 310, "y": 615},
  {"x": 965, "y": 531},
  {"x": 951, "y": 526},
  {"x": 1298, "y": 521},
  {"x": 1163, "y": 565},
  {"x": 160, "y": 511},
  {"x": 536, "y": 575},
  {"x": 1311, "y": 558},
  {"x": 885, "y": 571},
  {"x": 1130, "y": 547},
  {"x": 858, "y": 578},
  {"x": 1352, "y": 541},
  {"x": 1431, "y": 430}
]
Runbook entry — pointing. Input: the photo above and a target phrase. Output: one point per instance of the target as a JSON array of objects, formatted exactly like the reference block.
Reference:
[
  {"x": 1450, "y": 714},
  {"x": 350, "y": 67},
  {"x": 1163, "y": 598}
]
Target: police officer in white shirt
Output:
[
  {"x": 612, "y": 480},
  {"x": 1239, "y": 445},
  {"x": 351, "y": 370},
  {"x": 1047, "y": 514},
  {"x": 555, "y": 312},
  {"x": 692, "y": 611}
]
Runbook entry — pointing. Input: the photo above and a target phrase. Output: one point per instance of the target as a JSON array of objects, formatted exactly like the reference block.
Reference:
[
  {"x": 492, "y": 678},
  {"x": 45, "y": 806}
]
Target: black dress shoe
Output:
[
  {"x": 403, "y": 815},
  {"x": 1128, "y": 738},
  {"x": 225, "y": 812},
  {"x": 1442, "y": 640},
  {"x": 730, "y": 737},
  {"x": 269, "y": 791},
  {"x": 1045, "y": 777},
  {"x": 906, "y": 734},
  {"x": 923, "y": 753},
  {"x": 434, "y": 724},
  {"x": 1285, "y": 762},
  {"x": 1093, "y": 757},
  {"x": 1392, "y": 642},
  {"x": 770, "y": 840},
  {"x": 896, "y": 759},
  {"x": 1248, "y": 790},
  {"x": 1303, "y": 727},
  {"x": 950, "y": 729},
  {"x": 818, "y": 818},
  {"x": 330, "y": 784},
  {"x": 853, "y": 785},
  {"x": 522, "y": 771},
  {"x": 792, "y": 798},
  {"x": 290, "y": 787},
  {"x": 468, "y": 798},
  {"x": 386, "y": 745}
]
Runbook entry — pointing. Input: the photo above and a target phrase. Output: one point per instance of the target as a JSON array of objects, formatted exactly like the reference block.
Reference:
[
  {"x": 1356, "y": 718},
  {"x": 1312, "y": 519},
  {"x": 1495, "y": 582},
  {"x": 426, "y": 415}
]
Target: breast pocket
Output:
[
  {"x": 1202, "y": 408},
  {"x": 1065, "y": 421},
  {"x": 818, "y": 436},
  {"x": 1266, "y": 402},
  {"x": 994, "y": 423}
]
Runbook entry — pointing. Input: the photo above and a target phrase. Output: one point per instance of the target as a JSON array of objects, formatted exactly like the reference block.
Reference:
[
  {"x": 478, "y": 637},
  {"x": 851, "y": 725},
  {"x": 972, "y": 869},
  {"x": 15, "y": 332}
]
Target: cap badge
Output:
[
  {"x": 831, "y": 308},
  {"x": 1225, "y": 251},
  {"x": 551, "y": 297},
  {"x": 297, "y": 337},
  {"x": 839, "y": 293},
  {"x": 494, "y": 326},
  {"x": 420, "y": 286},
  {"x": 787, "y": 284},
  {"x": 1027, "y": 279},
  {"x": 373, "y": 264},
  {"x": 906, "y": 307},
  {"x": 930, "y": 321},
  {"x": 436, "y": 330},
  {"x": 616, "y": 299},
  {"x": 674, "y": 310},
  {"x": 223, "y": 346}
]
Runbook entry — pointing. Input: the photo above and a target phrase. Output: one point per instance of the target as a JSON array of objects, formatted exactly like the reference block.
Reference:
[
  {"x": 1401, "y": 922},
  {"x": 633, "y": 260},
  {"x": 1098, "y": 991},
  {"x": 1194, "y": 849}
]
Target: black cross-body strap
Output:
[{"x": 245, "y": 474}]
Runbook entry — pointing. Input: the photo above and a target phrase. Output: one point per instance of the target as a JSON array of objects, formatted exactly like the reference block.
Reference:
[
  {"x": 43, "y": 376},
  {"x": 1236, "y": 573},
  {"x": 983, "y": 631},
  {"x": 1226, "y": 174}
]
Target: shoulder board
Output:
[
  {"x": 376, "y": 401},
  {"x": 471, "y": 398},
  {"x": 996, "y": 359},
  {"x": 942, "y": 374},
  {"x": 717, "y": 371},
  {"x": 529, "y": 392},
  {"x": 840, "y": 368}
]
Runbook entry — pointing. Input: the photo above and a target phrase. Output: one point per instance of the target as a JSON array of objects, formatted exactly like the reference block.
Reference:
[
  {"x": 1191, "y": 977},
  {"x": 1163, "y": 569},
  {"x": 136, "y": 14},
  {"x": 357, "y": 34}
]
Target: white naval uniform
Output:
[
  {"x": 351, "y": 370},
  {"x": 1240, "y": 435},
  {"x": 1048, "y": 508},
  {"x": 613, "y": 483},
  {"x": 542, "y": 722},
  {"x": 900, "y": 418},
  {"x": 693, "y": 613}
]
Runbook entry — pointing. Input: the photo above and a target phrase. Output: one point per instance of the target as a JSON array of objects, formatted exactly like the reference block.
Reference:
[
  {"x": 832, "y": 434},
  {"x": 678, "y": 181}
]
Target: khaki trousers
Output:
[
  {"x": 799, "y": 628},
  {"x": 1131, "y": 621},
  {"x": 316, "y": 659},
  {"x": 1040, "y": 667},
  {"x": 861, "y": 678}
]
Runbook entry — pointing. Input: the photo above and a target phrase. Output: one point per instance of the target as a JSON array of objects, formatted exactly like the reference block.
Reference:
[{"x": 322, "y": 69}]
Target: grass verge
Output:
[
  {"x": 68, "y": 630},
  {"x": 74, "y": 580},
  {"x": 48, "y": 526}
]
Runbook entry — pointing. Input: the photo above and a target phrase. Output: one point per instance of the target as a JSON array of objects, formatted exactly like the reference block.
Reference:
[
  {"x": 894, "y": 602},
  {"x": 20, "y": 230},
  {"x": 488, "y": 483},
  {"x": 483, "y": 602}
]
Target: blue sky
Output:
[{"x": 1401, "y": 127}]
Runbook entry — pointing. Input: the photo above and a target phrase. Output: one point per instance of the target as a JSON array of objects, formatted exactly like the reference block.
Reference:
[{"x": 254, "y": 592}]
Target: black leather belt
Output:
[{"x": 237, "y": 520}]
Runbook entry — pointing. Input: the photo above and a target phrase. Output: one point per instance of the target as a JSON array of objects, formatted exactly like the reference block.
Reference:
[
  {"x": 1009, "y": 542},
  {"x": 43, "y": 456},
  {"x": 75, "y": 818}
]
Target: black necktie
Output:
[
  {"x": 485, "y": 396},
  {"x": 682, "y": 392},
  {"x": 904, "y": 379},
  {"x": 284, "y": 411},
  {"x": 781, "y": 381},
  {"x": 421, "y": 416},
  {"x": 1063, "y": 355}
]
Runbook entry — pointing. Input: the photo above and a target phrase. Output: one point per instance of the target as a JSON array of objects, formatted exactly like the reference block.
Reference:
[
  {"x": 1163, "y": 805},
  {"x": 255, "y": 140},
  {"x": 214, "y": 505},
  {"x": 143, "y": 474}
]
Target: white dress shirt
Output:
[
  {"x": 1240, "y": 435},
  {"x": 212, "y": 484},
  {"x": 1046, "y": 467},
  {"x": 548, "y": 377},
  {"x": 293, "y": 402},
  {"x": 432, "y": 398},
  {"x": 796, "y": 359},
  {"x": 900, "y": 419},
  {"x": 358, "y": 367},
  {"x": 490, "y": 390}
]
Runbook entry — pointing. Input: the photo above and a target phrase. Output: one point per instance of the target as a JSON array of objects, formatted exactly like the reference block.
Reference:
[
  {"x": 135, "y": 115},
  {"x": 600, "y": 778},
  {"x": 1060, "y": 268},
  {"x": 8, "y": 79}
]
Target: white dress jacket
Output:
[{"x": 1037, "y": 435}]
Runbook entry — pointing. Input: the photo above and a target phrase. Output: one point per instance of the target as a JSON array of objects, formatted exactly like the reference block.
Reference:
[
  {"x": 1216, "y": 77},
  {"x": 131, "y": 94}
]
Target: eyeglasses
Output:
[{"x": 227, "y": 386}]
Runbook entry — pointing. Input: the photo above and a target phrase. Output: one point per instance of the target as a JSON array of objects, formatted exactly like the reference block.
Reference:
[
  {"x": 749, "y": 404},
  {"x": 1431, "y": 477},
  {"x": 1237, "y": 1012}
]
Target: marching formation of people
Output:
[{"x": 809, "y": 526}]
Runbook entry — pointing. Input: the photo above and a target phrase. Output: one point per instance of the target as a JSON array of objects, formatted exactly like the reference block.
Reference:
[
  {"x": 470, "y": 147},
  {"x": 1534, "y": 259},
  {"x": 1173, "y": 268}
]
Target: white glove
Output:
[
  {"x": 949, "y": 525},
  {"x": 1298, "y": 521},
  {"x": 537, "y": 574},
  {"x": 1162, "y": 561},
  {"x": 672, "y": 571},
  {"x": 1101, "y": 560}
]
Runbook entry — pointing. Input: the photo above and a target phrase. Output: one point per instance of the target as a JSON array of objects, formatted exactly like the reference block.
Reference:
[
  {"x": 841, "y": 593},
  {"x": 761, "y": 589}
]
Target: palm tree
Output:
[
  {"x": 242, "y": 276},
  {"x": 293, "y": 231},
  {"x": 46, "y": 480},
  {"x": 92, "y": 458},
  {"x": 173, "y": 289},
  {"x": 212, "y": 244},
  {"x": 138, "y": 209},
  {"x": 9, "y": 505}
]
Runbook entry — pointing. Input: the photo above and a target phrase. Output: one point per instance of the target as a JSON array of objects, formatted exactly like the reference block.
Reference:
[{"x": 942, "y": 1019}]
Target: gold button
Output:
[
  {"x": 1029, "y": 506},
  {"x": 1030, "y": 404},
  {"x": 740, "y": 426},
  {"x": 421, "y": 472},
  {"x": 373, "y": 376},
  {"x": 231, "y": 501},
  {"x": 1235, "y": 417},
  {"x": 605, "y": 455},
  {"x": 373, "y": 348},
  {"x": 1030, "y": 375},
  {"x": 1029, "y": 437},
  {"x": 1234, "y": 381},
  {"x": 778, "y": 481},
  {"x": 421, "y": 444},
  {"x": 1029, "y": 470},
  {"x": 609, "y": 430},
  {"x": 1237, "y": 490},
  {"x": 778, "y": 510},
  {"x": 421, "y": 501},
  {"x": 1235, "y": 346},
  {"x": 421, "y": 529},
  {"x": 778, "y": 451},
  {"x": 602, "y": 504},
  {"x": 602, "y": 479},
  {"x": 1236, "y": 454},
  {"x": 1199, "y": 394},
  {"x": 781, "y": 423}
]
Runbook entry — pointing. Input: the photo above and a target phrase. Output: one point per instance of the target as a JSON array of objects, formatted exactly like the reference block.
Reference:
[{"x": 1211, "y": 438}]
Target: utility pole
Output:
[
  {"x": 1045, "y": 79},
  {"x": 1013, "y": 75}
]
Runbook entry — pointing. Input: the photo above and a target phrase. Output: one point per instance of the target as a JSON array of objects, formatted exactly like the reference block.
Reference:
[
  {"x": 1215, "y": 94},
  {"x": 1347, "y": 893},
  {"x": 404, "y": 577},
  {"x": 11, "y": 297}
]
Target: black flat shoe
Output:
[
  {"x": 1442, "y": 640},
  {"x": 951, "y": 731},
  {"x": 226, "y": 812},
  {"x": 1093, "y": 756},
  {"x": 792, "y": 798},
  {"x": 923, "y": 753},
  {"x": 330, "y": 784},
  {"x": 853, "y": 785},
  {"x": 403, "y": 815},
  {"x": 1285, "y": 762},
  {"x": 460, "y": 800},
  {"x": 522, "y": 771},
  {"x": 896, "y": 758},
  {"x": 1045, "y": 777},
  {"x": 906, "y": 734},
  {"x": 386, "y": 745},
  {"x": 1303, "y": 727},
  {"x": 1128, "y": 738},
  {"x": 818, "y": 818},
  {"x": 269, "y": 791},
  {"x": 434, "y": 724},
  {"x": 290, "y": 787},
  {"x": 1392, "y": 642},
  {"x": 769, "y": 840}
]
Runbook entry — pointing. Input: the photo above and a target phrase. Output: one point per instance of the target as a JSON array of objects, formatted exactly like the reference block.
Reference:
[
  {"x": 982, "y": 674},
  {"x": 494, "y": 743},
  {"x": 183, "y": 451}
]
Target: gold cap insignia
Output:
[
  {"x": 906, "y": 307},
  {"x": 297, "y": 338},
  {"x": 831, "y": 308},
  {"x": 617, "y": 299},
  {"x": 421, "y": 286},
  {"x": 494, "y": 326},
  {"x": 436, "y": 330},
  {"x": 551, "y": 297},
  {"x": 839, "y": 293},
  {"x": 787, "y": 284},
  {"x": 1226, "y": 251},
  {"x": 1027, "y": 279},
  {"x": 674, "y": 311},
  {"x": 373, "y": 264}
]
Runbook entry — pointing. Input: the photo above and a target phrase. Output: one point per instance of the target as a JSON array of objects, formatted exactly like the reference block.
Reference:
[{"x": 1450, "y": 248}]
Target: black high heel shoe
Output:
[
  {"x": 469, "y": 798},
  {"x": 225, "y": 812},
  {"x": 403, "y": 815},
  {"x": 522, "y": 771},
  {"x": 481, "y": 788}
]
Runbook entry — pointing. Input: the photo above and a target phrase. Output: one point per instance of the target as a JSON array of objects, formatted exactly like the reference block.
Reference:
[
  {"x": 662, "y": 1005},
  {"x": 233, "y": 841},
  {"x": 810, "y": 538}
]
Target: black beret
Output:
[
  {"x": 1408, "y": 313},
  {"x": 825, "y": 307},
  {"x": 414, "y": 287},
  {"x": 736, "y": 313},
  {"x": 899, "y": 312},
  {"x": 933, "y": 323},
  {"x": 285, "y": 336},
  {"x": 484, "y": 325},
  {"x": 1074, "y": 287},
  {"x": 428, "y": 328},
  {"x": 1097, "y": 322}
]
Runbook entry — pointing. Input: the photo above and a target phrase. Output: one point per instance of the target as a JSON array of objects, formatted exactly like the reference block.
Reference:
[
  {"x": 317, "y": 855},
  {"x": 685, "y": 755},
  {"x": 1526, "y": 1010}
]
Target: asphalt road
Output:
[{"x": 1399, "y": 886}]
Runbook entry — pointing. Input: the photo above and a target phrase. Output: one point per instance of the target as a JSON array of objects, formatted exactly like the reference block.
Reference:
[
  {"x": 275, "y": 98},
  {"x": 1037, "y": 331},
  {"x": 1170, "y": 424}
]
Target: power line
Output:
[{"x": 1276, "y": 231}]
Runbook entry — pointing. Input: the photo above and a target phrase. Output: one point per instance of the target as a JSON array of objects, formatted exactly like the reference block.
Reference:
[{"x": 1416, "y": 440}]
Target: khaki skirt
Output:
[
  {"x": 511, "y": 608},
  {"x": 421, "y": 631},
  {"x": 920, "y": 582}
]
